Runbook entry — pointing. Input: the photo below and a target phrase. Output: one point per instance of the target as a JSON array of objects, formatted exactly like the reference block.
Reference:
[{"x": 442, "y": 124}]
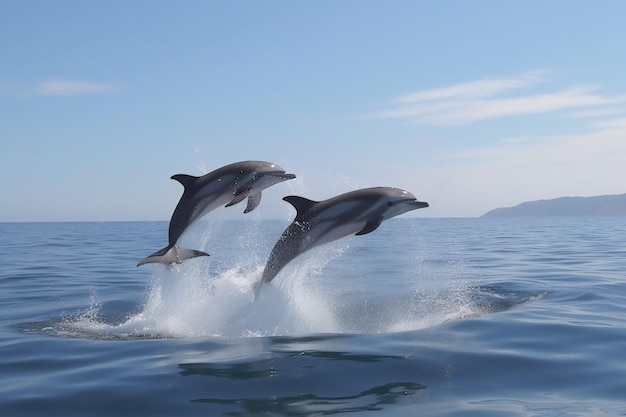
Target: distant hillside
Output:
[{"x": 605, "y": 205}]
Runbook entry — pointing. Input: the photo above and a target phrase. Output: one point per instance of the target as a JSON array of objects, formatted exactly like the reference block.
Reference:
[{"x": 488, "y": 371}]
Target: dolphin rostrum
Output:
[
  {"x": 318, "y": 222},
  {"x": 228, "y": 185}
]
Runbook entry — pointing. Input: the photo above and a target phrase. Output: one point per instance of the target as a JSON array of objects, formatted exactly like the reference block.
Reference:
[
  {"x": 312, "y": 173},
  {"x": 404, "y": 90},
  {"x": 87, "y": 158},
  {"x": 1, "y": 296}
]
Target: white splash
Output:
[{"x": 316, "y": 293}]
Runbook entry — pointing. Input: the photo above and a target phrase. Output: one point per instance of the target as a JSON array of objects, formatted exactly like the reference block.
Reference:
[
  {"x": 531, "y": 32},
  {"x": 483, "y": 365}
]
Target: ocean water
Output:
[{"x": 423, "y": 317}]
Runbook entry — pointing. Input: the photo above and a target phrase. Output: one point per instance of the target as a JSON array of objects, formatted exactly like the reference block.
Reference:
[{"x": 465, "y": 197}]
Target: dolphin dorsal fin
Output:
[
  {"x": 186, "y": 180},
  {"x": 301, "y": 204}
]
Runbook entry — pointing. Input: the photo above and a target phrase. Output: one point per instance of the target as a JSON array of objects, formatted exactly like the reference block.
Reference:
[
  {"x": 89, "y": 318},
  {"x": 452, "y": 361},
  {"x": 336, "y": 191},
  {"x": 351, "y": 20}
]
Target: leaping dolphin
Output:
[
  {"x": 228, "y": 185},
  {"x": 318, "y": 222}
]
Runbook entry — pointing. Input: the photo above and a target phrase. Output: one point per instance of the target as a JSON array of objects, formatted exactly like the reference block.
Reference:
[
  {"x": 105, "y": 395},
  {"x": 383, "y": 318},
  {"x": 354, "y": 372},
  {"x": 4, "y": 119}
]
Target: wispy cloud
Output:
[
  {"x": 61, "y": 87},
  {"x": 580, "y": 149},
  {"x": 476, "y": 89},
  {"x": 482, "y": 99},
  {"x": 520, "y": 169},
  {"x": 618, "y": 123}
]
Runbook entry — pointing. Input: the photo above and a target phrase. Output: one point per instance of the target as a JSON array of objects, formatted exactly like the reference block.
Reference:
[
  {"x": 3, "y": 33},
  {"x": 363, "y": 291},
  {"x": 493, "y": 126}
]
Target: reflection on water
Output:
[
  {"x": 305, "y": 383},
  {"x": 307, "y": 404}
]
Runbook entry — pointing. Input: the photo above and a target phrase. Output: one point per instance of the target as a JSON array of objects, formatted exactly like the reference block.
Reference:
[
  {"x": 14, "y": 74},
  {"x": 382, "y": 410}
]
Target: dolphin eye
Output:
[
  {"x": 390, "y": 203},
  {"x": 256, "y": 176}
]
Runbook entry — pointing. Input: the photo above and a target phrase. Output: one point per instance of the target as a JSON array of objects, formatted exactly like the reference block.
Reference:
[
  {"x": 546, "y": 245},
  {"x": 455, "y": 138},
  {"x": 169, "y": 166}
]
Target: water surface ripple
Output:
[{"x": 424, "y": 317}]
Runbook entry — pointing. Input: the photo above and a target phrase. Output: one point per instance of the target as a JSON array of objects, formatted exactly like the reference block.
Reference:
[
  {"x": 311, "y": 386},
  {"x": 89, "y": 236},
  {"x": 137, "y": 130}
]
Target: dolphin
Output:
[
  {"x": 228, "y": 185},
  {"x": 318, "y": 222}
]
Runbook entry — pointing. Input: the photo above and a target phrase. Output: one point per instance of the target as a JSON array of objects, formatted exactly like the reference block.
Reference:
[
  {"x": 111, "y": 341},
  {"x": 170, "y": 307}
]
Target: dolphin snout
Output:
[
  {"x": 283, "y": 175},
  {"x": 418, "y": 204}
]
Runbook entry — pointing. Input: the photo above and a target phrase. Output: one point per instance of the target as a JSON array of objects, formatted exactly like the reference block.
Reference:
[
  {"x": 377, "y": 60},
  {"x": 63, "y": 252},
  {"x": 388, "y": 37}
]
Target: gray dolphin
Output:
[
  {"x": 228, "y": 185},
  {"x": 318, "y": 222}
]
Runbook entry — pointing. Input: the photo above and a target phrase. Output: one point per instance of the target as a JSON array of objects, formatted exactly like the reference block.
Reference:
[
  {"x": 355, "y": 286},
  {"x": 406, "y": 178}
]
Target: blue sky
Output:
[{"x": 468, "y": 105}]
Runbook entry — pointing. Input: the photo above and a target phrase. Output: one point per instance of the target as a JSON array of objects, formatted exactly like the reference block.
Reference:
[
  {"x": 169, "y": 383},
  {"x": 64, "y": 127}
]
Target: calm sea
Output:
[{"x": 423, "y": 317}]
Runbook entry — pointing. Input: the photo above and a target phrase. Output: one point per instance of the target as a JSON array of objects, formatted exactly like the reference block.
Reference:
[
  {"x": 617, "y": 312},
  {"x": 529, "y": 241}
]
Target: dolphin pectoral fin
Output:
[
  {"x": 238, "y": 197},
  {"x": 172, "y": 255},
  {"x": 301, "y": 204},
  {"x": 370, "y": 226},
  {"x": 253, "y": 201}
]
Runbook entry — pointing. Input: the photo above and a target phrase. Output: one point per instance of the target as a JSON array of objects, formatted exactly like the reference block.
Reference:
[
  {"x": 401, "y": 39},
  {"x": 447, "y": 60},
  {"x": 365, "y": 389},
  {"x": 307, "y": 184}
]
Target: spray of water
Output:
[{"x": 321, "y": 291}]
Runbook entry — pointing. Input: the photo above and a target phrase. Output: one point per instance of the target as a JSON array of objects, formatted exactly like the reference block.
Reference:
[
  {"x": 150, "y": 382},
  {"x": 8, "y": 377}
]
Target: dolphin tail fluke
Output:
[{"x": 172, "y": 255}]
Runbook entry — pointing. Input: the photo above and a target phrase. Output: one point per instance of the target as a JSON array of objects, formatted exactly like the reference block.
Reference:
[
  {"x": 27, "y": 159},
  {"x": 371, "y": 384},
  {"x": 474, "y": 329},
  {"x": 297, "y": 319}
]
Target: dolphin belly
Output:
[
  {"x": 332, "y": 231},
  {"x": 297, "y": 239},
  {"x": 288, "y": 246}
]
